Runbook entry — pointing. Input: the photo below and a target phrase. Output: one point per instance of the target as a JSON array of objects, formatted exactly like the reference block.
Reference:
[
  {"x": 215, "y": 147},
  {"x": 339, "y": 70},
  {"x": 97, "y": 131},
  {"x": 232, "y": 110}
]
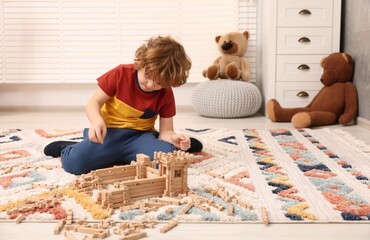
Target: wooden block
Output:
[
  {"x": 130, "y": 207},
  {"x": 138, "y": 182},
  {"x": 244, "y": 203},
  {"x": 149, "y": 224},
  {"x": 81, "y": 222},
  {"x": 104, "y": 224},
  {"x": 117, "y": 231},
  {"x": 104, "y": 234},
  {"x": 69, "y": 235},
  {"x": 19, "y": 218},
  {"x": 96, "y": 232},
  {"x": 88, "y": 237},
  {"x": 134, "y": 236},
  {"x": 147, "y": 189},
  {"x": 50, "y": 166},
  {"x": 155, "y": 204},
  {"x": 230, "y": 210},
  {"x": 123, "y": 171},
  {"x": 218, "y": 206},
  {"x": 112, "y": 223},
  {"x": 133, "y": 199},
  {"x": 58, "y": 228},
  {"x": 202, "y": 206},
  {"x": 265, "y": 218},
  {"x": 8, "y": 170},
  {"x": 211, "y": 191},
  {"x": 186, "y": 208},
  {"x": 215, "y": 175},
  {"x": 69, "y": 227},
  {"x": 197, "y": 198},
  {"x": 128, "y": 231},
  {"x": 168, "y": 226},
  {"x": 69, "y": 218},
  {"x": 117, "y": 179},
  {"x": 223, "y": 194},
  {"x": 169, "y": 200}
]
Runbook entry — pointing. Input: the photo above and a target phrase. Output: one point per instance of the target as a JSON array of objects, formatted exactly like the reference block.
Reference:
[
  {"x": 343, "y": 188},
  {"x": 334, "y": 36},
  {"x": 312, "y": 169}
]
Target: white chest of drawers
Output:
[{"x": 296, "y": 35}]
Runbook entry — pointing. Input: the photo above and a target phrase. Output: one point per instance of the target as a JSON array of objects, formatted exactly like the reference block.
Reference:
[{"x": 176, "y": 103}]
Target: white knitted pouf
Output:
[{"x": 226, "y": 99}]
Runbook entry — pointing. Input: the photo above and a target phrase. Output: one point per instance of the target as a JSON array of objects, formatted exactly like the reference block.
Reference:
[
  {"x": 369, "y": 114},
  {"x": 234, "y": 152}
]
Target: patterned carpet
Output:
[{"x": 302, "y": 175}]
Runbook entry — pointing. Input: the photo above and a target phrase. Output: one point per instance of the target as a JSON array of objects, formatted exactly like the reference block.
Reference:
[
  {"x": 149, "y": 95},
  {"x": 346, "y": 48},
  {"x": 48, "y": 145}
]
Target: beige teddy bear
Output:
[{"x": 232, "y": 64}]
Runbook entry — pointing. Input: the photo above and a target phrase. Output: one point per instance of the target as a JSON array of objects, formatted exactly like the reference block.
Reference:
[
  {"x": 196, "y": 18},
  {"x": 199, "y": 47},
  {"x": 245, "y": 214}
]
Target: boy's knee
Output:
[
  {"x": 74, "y": 166},
  {"x": 73, "y": 170}
]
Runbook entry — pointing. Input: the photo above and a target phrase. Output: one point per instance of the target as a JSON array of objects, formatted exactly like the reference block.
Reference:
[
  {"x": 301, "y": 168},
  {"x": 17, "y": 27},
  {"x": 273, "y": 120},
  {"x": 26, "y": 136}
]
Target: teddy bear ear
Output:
[
  {"x": 246, "y": 34},
  {"x": 217, "y": 39},
  {"x": 347, "y": 57},
  {"x": 322, "y": 61}
]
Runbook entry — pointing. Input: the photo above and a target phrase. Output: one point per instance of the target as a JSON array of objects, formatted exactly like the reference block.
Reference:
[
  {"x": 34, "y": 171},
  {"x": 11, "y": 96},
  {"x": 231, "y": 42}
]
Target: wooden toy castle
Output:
[{"x": 166, "y": 175}]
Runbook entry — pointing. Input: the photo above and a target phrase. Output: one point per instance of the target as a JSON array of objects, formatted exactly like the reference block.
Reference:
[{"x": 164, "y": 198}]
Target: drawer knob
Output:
[
  {"x": 303, "y": 67},
  {"x": 304, "y": 40},
  {"x": 304, "y": 12},
  {"x": 303, "y": 94}
]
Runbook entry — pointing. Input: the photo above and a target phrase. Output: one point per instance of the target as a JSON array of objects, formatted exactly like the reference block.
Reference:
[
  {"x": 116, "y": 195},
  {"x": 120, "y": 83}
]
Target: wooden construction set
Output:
[
  {"x": 166, "y": 175},
  {"x": 163, "y": 181}
]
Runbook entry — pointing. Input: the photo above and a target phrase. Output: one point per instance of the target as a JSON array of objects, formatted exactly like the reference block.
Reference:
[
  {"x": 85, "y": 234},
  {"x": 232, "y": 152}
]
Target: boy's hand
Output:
[
  {"x": 97, "y": 133},
  {"x": 181, "y": 141}
]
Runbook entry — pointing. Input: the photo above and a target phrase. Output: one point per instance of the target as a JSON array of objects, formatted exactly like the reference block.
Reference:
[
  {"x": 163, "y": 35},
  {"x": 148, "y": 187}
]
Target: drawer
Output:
[
  {"x": 304, "y": 40},
  {"x": 286, "y": 93},
  {"x": 312, "y": 13},
  {"x": 298, "y": 68}
]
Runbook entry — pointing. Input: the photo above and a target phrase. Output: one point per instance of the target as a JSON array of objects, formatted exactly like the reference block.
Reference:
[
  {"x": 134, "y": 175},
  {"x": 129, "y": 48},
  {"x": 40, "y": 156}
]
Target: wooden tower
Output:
[{"x": 175, "y": 167}]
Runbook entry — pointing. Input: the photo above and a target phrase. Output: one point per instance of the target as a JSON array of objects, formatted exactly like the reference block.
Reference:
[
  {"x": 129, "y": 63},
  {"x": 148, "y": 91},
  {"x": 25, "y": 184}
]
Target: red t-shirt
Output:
[{"x": 129, "y": 106}]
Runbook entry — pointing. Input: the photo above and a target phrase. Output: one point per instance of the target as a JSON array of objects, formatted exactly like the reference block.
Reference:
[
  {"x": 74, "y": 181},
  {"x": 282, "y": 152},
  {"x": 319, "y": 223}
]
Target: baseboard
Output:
[
  {"x": 363, "y": 122},
  {"x": 41, "y": 108}
]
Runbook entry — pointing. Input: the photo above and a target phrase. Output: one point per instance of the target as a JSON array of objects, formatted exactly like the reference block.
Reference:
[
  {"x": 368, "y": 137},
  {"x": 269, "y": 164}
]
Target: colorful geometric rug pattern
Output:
[{"x": 303, "y": 175}]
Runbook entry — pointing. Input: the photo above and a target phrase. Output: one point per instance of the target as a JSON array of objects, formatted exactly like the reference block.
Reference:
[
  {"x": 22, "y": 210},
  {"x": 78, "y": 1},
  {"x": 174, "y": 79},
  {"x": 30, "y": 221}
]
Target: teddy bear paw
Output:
[
  {"x": 271, "y": 107},
  {"x": 232, "y": 72},
  {"x": 301, "y": 120},
  {"x": 212, "y": 72},
  {"x": 245, "y": 76}
]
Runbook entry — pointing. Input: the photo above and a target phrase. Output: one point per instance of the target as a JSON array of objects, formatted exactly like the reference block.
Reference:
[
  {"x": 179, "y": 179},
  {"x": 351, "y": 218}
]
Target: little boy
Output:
[{"x": 124, "y": 108}]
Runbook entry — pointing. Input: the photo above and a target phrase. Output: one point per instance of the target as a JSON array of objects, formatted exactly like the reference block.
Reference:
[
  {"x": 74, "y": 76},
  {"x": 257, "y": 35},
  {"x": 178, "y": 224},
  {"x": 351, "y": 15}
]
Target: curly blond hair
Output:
[{"x": 164, "y": 61}]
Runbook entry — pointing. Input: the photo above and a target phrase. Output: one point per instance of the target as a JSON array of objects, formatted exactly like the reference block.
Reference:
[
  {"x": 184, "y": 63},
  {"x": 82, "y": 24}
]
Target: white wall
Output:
[{"x": 36, "y": 71}]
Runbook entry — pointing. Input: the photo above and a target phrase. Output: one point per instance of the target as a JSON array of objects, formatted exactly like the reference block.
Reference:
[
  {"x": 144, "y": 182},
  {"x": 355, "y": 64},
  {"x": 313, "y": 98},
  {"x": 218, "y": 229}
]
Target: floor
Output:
[{"x": 186, "y": 117}]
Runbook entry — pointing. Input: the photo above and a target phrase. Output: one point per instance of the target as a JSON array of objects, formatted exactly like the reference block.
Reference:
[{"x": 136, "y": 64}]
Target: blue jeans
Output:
[{"x": 120, "y": 147}]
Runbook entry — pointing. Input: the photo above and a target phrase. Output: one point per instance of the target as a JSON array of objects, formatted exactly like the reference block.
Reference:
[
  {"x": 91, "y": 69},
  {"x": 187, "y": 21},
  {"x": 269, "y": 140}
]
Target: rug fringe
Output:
[{"x": 351, "y": 140}]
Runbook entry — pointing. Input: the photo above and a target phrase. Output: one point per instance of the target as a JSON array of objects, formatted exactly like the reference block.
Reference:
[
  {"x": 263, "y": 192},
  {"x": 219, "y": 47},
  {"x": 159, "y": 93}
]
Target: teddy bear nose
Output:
[{"x": 227, "y": 45}]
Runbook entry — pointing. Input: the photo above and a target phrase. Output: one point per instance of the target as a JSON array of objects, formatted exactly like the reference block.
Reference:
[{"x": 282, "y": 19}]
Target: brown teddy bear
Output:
[
  {"x": 232, "y": 64},
  {"x": 335, "y": 102}
]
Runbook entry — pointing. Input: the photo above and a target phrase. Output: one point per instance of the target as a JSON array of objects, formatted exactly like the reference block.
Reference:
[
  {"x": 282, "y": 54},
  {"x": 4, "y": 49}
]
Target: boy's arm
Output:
[
  {"x": 167, "y": 134},
  {"x": 98, "y": 130}
]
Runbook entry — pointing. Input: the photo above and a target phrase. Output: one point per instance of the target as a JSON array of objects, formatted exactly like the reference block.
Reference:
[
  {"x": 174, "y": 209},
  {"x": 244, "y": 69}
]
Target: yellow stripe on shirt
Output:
[{"x": 117, "y": 114}]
